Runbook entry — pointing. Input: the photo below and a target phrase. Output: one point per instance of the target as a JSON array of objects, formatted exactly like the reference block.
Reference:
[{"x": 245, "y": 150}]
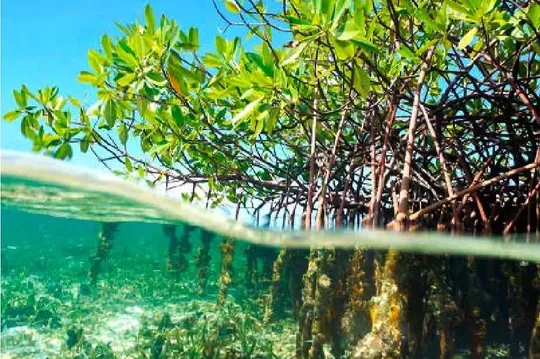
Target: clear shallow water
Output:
[
  {"x": 42, "y": 185},
  {"x": 46, "y": 293},
  {"x": 52, "y": 217}
]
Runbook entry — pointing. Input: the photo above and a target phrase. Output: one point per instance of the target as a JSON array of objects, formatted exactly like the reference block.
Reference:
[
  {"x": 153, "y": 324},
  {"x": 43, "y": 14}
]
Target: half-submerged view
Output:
[{"x": 321, "y": 179}]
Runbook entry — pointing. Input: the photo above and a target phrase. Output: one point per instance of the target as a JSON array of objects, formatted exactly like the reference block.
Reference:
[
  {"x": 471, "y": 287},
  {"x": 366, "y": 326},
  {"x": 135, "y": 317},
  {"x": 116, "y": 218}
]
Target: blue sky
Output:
[{"x": 45, "y": 43}]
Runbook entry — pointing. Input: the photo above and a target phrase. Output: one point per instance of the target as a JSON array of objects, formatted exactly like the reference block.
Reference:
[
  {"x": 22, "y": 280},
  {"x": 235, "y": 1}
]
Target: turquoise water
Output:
[
  {"x": 42, "y": 185},
  {"x": 46, "y": 292},
  {"x": 143, "y": 302}
]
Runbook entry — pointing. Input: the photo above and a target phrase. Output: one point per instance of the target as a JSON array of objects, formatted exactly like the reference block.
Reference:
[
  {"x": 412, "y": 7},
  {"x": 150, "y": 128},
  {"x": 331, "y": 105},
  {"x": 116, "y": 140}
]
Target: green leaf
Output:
[
  {"x": 361, "y": 81},
  {"x": 20, "y": 98},
  {"x": 126, "y": 79},
  {"x": 50, "y": 140},
  {"x": 484, "y": 7},
  {"x": 366, "y": 45},
  {"x": 26, "y": 131},
  {"x": 466, "y": 40},
  {"x": 534, "y": 14},
  {"x": 126, "y": 54},
  {"x": 350, "y": 31},
  {"x": 123, "y": 133},
  {"x": 344, "y": 49},
  {"x": 96, "y": 61},
  {"x": 425, "y": 17},
  {"x": 141, "y": 171},
  {"x": 354, "y": 33},
  {"x": 221, "y": 45},
  {"x": 87, "y": 77},
  {"x": 211, "y": 60},
  {"x": 74, "y": 102},
  {"x": 177, "y": 115},
  {"x": 297, "y": 21},
  {"x": 84, "y": 145},
  {"x": 109, "y": 113},
  {"x": 294, "y": 54},
  {"x": 107, "y": 45},
  {"x": 458, "y": 8},
  {"x": 193, "y": 36},
  {"x": 156, "y": 79},
  {"x": 341, "y": 7},
  {"x": 64, "y": 151},
  {"x": 12, "y": 115},
  {"x": 179, "y": 73},
  {"x": 129, "y": 166},
  {"x": 258, "y": 127},
  {"x": 248, "y": 110},
  {"x": 258, "y": 60},
  {"x": 406, "y": 53},
  {"x": 150, "y": 19},
  {"x": 123, "y": 28},
  {"x": 232, "y": 6}
]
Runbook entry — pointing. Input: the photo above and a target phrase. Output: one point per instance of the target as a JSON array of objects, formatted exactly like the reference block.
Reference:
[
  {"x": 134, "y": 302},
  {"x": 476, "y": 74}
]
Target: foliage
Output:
[{"x": 324, "y": 113}]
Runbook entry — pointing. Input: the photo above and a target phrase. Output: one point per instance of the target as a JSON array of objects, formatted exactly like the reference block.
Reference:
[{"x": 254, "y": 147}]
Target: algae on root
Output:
[
  {"x": 360, "y": 287},
  {"x": 227, "y": 248},
  {"x": 202, "y": 261},
  {"x": 277, "y": 273},
  {"x": 178, "y": 246},
  {"x": 387, "y": 314},
  {"x": 288, "y": 268},
  {"x": 318, "y": 308},
  {"x": 105, "y": 239}
]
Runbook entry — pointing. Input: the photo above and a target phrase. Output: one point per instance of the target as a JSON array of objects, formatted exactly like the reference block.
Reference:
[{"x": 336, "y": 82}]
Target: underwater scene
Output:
[
  {"x": 297, "y": 179},
  {"x": 88, "y": 272}
]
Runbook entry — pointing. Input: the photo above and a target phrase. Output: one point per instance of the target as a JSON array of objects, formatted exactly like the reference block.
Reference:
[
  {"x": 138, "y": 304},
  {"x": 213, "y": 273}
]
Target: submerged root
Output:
[
  {"x": 319, "y": 310},
  {"x": 176, "y": 261},
  {"x": 534, "y": 346},
  {"x": 277, "y": 274},
  {"x": 305, "y": 316},
  {"x": 475, "y": 304},
  {"x": 298, "y": 264},
  {"x": 251, "y": 265},
  {"x": 105, "y": 239},
  {"x": 356, "y": 320},
  {"x": 387, "y": 315},
  {"x": 202, "y": 261},
  {"x": 253, "y": 277},
  {"x": 225, "y": 278}
]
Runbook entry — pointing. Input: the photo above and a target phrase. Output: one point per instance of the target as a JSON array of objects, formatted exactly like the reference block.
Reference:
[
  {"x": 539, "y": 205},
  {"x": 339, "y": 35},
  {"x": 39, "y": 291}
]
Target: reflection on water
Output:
[
  {"x": 44, "y": 186},
  {"x": 94, "y": 269}
]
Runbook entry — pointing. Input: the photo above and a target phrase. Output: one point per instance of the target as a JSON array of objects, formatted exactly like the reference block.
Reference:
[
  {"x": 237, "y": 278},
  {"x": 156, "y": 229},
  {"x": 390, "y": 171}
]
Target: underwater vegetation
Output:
[
  {"x": 132, "y": 309},
  {"x": 318, "y": 303}
]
